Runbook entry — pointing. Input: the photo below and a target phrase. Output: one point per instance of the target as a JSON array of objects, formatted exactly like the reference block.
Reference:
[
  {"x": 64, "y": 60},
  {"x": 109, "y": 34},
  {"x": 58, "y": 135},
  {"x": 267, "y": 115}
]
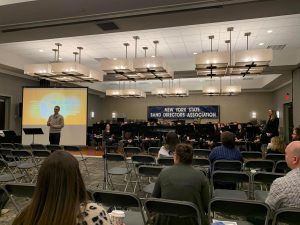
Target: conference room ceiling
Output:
[{"x": 32, "y": 33}]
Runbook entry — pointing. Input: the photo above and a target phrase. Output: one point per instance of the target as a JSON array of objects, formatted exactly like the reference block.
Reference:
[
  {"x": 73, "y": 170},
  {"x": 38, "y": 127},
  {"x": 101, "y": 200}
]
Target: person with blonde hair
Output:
[
  {"x": 60, "y": 197},
  {"x": 276, "y": 145}
]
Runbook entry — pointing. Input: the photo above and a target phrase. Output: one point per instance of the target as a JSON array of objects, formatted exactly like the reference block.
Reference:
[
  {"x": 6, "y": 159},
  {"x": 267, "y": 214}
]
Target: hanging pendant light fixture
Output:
[
  {"x": 64, "y": 71},
  {"x": 251, "y": 61}
]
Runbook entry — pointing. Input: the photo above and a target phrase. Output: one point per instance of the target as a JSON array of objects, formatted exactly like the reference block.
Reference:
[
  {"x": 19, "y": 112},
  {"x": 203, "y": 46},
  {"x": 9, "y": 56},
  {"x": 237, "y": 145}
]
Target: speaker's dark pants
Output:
[{"x": 54, "y": 138}]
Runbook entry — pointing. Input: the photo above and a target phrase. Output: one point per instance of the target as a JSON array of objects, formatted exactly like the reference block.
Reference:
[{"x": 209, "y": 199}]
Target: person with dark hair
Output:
[
  {"x": 296, "y": 134},
  {"x": 56, "y": 123},
  {"x": 226, "y": 151},
  {"x": 184, "y": 183},
  {"x": 169, "y": 147},
  {"x": 60, "y": 197},
  {"x": 272, "y": 125}
]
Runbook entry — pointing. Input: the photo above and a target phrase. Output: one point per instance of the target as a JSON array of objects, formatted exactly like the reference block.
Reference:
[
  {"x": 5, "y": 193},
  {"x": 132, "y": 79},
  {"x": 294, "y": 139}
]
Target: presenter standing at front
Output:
[{"x": 56, "y": 123}]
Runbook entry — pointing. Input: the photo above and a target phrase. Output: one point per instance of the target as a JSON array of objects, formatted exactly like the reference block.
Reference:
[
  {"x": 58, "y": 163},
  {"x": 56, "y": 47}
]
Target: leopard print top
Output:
[{"x": 94, "y": 214}]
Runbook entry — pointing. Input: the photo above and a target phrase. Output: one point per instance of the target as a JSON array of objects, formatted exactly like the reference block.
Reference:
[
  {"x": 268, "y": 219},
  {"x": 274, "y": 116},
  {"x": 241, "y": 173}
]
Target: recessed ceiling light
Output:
[
  {"x": 153, "y": 56},
  {"x": 41, "y": 50},
  {"x": 59, "y": 58},
  {"x": 195, "y": 53},
  {"x": 269, "y": 31},
  {"x": 261, "y": 43}
]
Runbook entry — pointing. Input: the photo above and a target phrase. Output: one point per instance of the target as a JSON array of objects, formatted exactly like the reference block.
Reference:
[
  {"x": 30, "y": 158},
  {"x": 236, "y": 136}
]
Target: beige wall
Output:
[{"x": 232, "y": 108}]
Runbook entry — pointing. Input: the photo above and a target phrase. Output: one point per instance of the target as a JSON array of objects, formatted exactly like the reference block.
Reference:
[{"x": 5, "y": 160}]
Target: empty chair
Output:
[
  {"x": 246, "y": 210},
  {"x": 143, "y": 159},
  {"x": 153, "y": 150},
  {"x": 228, "y": 165},
  {"x": 165, "y": 161},
  {"x": 40, "y": 155},
  {"x": 288, "y": 216},
  {"x": 114, "y": 199},
  {"x": 18, "y": 190},
  {"x": 120, "y": 170},
  {"x": 7, "y": 174},
  {"x": 281, "y": 167},
  {"x": 173, "y": 212},
  {"x": 259, "y": 165},
  {"x": 264, "y": 181},
  {"x": 275, "y": 157},
  {"x": 38, "y": 147},
  {"x": 252, "y": 155},
  {"x": 226, "y": 184},
  {"x": 79, "y": 157},
  {"x": 53, "y": 148},
  {"x": 201, "y": 153},
  {"x": 7, "y": 145},
  {"x": 150, "y": 173},
  {"x": 201, "y": 162}
]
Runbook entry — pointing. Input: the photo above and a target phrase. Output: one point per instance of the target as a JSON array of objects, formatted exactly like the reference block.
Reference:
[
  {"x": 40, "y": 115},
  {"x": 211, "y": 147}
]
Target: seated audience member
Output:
[
  {"x": 60, "y": 196},
  {"x": 227, "y": 150},
  {"x": 276, "y": 145},
  {"x": 285, "y": 191},
  {"x": 296, "y": 134},
  {"x": 167, "y": 149},
  {"x": 184, "y": 183}
]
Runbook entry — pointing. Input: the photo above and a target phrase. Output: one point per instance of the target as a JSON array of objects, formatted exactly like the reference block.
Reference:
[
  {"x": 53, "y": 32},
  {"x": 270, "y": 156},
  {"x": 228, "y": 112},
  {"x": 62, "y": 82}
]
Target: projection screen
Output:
[{"x": 38, "y": 105}]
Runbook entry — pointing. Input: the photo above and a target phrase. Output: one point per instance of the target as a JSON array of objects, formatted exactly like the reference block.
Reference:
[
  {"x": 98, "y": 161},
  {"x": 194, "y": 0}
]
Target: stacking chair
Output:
[
  {"x": 201, "y": 162},
  {"x": 18, "y": 190},
  {"x": 150, "y": 173},
  {"x": 252, "y": 155},
  {"x": 275, "y": 157},
  {"x": 7, "y": 145},
  {"x": 264, "y": 180},
  {"x": 246, "y": 210},
  {"x": 38, "y": 147},
  {"x": 288, "y": 216},
  {"x": 223, "y": 183},
  {"x": 26, "y": 163},
  {"x": 40, "y": 156},
  {"x": 115, "y": 199},
  {"x": 53, "y": 148},
  {"x": 175, "y": 211},
  {"x": 281, "y": 167},
  {"x": 7, "y": 156},
  {"x": 259, "y": 165},
  {"x": 153, "y": 151},
  {"x": 80, "y": 157},
  {"x": 122, "y": 170},
  {"x": 165, "y": 161},
  {"x": 201, "y": 153},
  {"x": 7, "y": 175}
]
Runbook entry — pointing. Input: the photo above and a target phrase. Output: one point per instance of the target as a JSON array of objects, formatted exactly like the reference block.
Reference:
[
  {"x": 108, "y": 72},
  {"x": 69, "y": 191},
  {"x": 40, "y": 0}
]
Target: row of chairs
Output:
[{"x": 245, "y": 210}]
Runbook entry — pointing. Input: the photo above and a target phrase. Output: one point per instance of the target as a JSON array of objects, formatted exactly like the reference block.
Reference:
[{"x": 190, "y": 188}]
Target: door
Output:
[{"x": 288, "y": 120}]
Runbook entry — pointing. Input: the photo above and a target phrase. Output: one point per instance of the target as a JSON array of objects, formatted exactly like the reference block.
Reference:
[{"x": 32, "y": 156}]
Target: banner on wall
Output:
[{"x": 184, "y": 112}]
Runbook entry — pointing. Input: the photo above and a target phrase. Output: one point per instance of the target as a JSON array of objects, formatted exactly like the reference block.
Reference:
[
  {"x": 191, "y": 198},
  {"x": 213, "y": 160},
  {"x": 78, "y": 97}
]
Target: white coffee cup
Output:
[{"x": 117, "y": 217}]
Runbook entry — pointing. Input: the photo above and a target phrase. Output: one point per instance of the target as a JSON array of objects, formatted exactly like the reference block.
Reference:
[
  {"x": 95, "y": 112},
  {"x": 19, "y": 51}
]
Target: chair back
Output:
[
  {"x": 179, "y": 209},
  {"x": 53, "y": 148},
  {"x": 228, "y": 165},
  {"x": 38, "y": 147},
  {"x": 20, "y": 190},
  {"x": 230, "y": 176},
  {"x": 165, "y": 161},
  {"x": 153, "y": 150},
  {"x": 143, "y": 159},
  {"x": 5, "y": 152},
  {"x": 118, "y": 199},
  {"x": 240, "y": 208},
  {"x": 200, "y": 162},
  {"x": 7, "y": 145},
  {"x": 252, "y": 155},
  {"x": 21, "y": 153},
  {"x": 281, "y": 167},
  {"x": 288, "y": 216},
  {"x": 41, "y": 153},
  {"x": 201, "y": 153},
  {"x": 262, "y": 165},
  {"x": 19, "y": 146},
  {"x": 72, "y": 148},
  {"x": 149, "y": 171},
  {"x": 265, "y": 177},
  {"x": 275, "y": 157},
  {"x": 114, "y": 157},
  {"x": 132, "y": 150}
]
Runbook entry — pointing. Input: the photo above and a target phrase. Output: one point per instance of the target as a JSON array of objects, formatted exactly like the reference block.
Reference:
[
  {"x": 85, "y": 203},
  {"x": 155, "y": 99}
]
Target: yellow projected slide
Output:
[{"x": 38, "y": 104}]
